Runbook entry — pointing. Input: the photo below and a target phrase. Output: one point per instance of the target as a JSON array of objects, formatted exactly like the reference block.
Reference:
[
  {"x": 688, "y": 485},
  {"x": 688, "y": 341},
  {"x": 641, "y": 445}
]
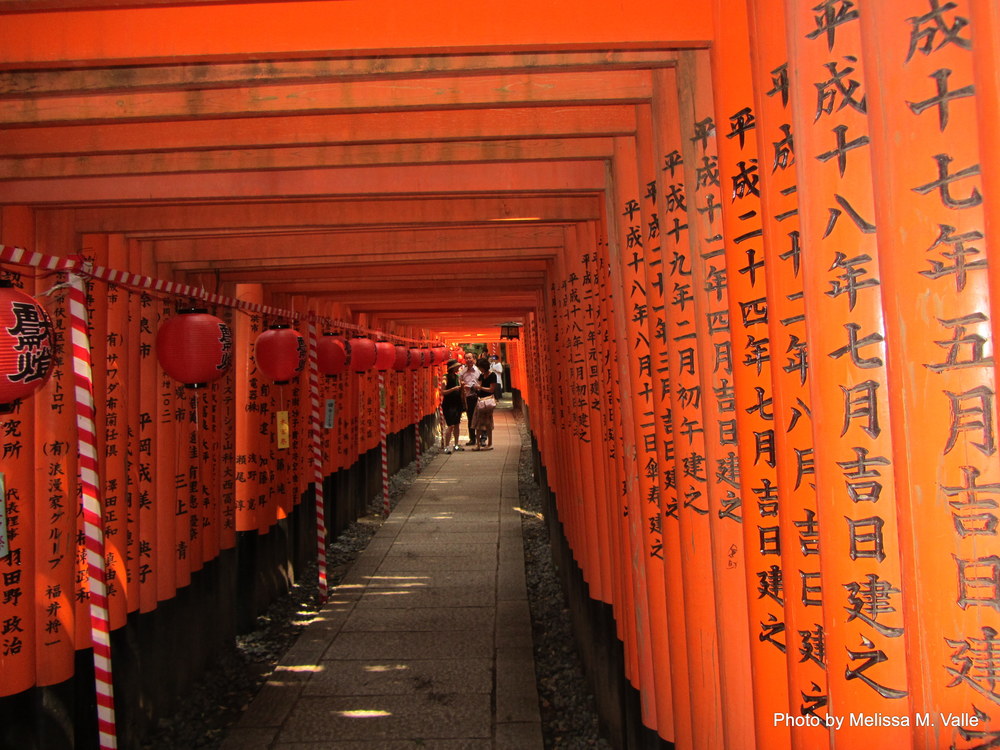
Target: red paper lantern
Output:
[
  {"x": 26, "y": 346},
  {"x": 385, "y": 355},
  {"x": 332, "y": 354},
  {"x": 280, "y": 353},
  {"x": 362, "y": 354},
  {"x": 194, "y": 347},
  {"x": 440, "y": 355},
  {"x": 414, "y": 358},
  {"x": 402, "y": 360}
]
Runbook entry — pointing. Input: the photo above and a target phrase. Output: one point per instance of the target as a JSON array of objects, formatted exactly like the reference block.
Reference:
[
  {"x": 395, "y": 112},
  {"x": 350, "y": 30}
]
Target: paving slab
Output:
[
  {"x": 434, "y": 619},
  {"x": 420, "y": 715},
  {"x": 401, "y": 677}
]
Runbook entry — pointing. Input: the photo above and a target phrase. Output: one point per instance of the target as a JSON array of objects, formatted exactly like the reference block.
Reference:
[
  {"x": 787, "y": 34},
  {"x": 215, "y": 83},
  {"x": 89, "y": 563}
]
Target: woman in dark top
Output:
[
  {"x": 452, "y": 404},
  {"x": 483, "y": 420}
]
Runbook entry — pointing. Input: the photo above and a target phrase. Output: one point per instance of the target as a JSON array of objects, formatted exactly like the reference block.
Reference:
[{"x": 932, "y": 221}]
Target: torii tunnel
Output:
[{"x": 747, "y": 243}]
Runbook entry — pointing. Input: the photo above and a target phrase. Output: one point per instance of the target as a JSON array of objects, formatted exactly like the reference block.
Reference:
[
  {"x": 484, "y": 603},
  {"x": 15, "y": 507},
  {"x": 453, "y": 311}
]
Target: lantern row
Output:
[
  {"x": 78, "y": 264},
  {"x": 194, "y": 348}
]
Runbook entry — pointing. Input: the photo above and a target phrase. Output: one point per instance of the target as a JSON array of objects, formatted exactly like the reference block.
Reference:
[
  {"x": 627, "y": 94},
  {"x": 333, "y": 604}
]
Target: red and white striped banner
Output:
[
  {"x": 417, "y": 438},
  {"x": 100, "y": 632},
  {"x": 20, "y": 256},
  {"x": 317, "y": 460},
  {"x": 383, "y": 433}
]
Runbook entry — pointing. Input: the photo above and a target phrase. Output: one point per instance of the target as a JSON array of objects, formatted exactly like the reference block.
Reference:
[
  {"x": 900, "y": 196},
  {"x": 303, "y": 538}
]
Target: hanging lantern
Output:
[
  {"x": 26, "y": 346},
  {"x": 362, "y": 354},
  {"x": 402, "y": 360},
  {"x": 194, "y": 347},
  {"x": 510, "y": 331},
  {"x": 385, "y": 355},
  {"x": 414, "y": 358},
  {"x": 332, "y": 354},
  {"x": 280, "y": 353},
  {"x": 440, "y": 355}
]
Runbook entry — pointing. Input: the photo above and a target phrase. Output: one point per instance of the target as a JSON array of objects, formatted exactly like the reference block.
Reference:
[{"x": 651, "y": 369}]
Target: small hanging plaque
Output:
[
  {"x": 284, "y": 432},
  {"x": 4, "y": 543}
]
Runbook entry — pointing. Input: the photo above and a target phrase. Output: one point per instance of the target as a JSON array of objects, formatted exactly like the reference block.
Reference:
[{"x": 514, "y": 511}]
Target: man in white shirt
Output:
[
  {"x": 496, "y": 367},
  {"x": 469, "y": 377}
]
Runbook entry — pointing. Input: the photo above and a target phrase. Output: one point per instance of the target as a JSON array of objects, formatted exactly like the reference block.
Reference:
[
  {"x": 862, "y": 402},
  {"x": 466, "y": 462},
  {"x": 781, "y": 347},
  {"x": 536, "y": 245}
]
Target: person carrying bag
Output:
[{"x": 483, "y": 418}]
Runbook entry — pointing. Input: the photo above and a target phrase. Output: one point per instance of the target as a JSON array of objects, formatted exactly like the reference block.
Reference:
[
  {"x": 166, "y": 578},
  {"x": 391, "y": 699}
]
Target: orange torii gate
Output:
[{"x": 749, "y": 244}]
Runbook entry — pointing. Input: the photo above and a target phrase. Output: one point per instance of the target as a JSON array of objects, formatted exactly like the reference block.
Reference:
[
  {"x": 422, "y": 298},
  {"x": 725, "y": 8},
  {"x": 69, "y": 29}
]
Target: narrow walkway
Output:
[{"x": 427, "y": 642}]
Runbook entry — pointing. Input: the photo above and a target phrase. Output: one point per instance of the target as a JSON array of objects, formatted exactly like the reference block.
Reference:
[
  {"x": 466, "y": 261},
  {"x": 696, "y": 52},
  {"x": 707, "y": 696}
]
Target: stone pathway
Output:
[{"x": 427, "y": 642}]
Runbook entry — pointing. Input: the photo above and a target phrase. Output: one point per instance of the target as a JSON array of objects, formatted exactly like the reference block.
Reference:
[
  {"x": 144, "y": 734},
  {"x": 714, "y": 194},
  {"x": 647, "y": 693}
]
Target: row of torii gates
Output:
[{"x": 748, "y": 244}]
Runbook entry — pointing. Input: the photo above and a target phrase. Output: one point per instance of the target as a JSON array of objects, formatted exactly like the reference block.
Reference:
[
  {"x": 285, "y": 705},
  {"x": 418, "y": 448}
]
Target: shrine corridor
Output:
[{"x": 732, "y": 258}]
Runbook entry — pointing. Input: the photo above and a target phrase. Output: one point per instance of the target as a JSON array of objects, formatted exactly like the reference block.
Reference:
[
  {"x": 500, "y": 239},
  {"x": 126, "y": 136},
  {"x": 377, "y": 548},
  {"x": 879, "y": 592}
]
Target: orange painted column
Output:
[
  {"x": 627, "y": 254},
  {"x": 107, "y": 316},
  {"x": 852, "y": 402},
  {"x": 616, "y": 477},
  {"x": 592, "y": 423},
  {"x": 57, "y": 504},
  {"x": 56, "y": 508},
  {"x": 165, "y": 458},
  {"x": 793, "y": 435},
  {"x": 674, "y": 506},
  {"x": 941, "y": 376},
  {"x": 617, "y": 582},
  {"x": 984, "y": 19},
  {"x": 140, "y": 411},
  {"x": 365, "y": 407},
  {"x": 23, "y": 599},
  {"x": 693, "y": 167},
  {"x": 619, "y": 493},
  {"x": 689, "y": 491},
  {"x": 738, "y": 173},
  {"x": 585, "y": 424},
  {"x": 573, "y": 475},
  {"x": 121, "y": 390},
  {"x": 552, "y": 402},
  {"x": 227, "y": 439},
  {"x": 247, "y": 404}
]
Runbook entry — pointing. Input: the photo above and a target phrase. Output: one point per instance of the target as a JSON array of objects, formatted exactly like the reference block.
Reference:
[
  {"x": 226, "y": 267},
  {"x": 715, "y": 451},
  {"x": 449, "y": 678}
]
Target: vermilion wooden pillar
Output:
[
  {"x": 139, "y": 411},
  {"x": 852, "y": 402},
  {"x": 107, "y": 312},
  {"x": 22, "y": 448},
  {"x": 597, "y": 443},
  {"x": 791, "y": 358},
  {"x": 584, "y": 429},
  {"x": 628, "y": 257},
  {"x": 711, "y": 360},
  {"x": 248, "y": 382},
  {"x": 933, "y": 250},
  {"x": 630, "y": 545},
  {"x": 686, "y": 511},
  {"x": 55, "y": 503},
  {"x": 658, "y": 428}
]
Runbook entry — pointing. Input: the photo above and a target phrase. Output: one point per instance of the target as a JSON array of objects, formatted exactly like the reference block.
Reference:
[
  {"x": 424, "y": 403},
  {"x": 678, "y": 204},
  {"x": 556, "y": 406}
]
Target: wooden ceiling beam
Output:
[
  {"x": 371, "y": 274},
  {"x": 509, "y": 90},
  {"x": 241, "y": 270},
  {"x": 224, "y": 75},
  {"x": 430, "y": 180},
  {"x": 263, "y": 159},
  {"x": 355, "y": 245},
  {"x": 320, "y": 130},
  {"x": 322, "y": 215},
  {"x": 505, "y": 279},
  {"x": 300, "y": 30}
]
